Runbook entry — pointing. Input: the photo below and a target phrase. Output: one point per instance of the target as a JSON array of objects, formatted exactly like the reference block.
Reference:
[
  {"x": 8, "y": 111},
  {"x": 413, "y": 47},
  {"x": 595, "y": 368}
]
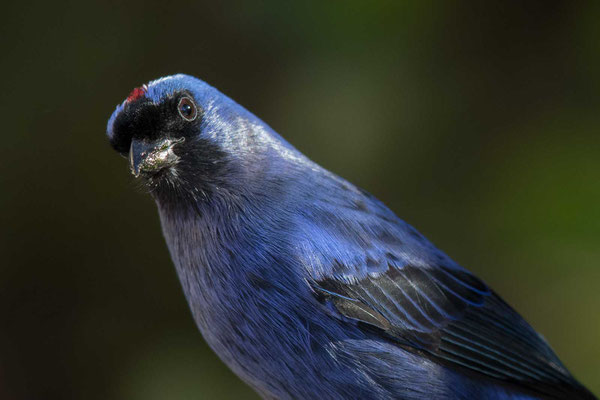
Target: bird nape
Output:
[{"x": 306, "y": 286}]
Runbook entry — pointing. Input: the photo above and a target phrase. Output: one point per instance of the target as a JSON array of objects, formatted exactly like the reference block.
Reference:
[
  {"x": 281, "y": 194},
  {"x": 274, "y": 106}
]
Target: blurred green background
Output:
[{"x": 477, "y": 122}]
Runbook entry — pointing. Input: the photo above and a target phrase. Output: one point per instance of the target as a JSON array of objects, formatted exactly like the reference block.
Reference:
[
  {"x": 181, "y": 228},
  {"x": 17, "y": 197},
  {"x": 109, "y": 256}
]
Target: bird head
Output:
[{"x": 183, "y": 136}]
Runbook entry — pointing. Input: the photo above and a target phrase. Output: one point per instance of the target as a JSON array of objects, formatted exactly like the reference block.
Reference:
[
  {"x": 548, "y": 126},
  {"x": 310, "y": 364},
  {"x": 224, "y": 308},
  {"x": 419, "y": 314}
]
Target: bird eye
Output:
[{"x": 187, "y": 109}]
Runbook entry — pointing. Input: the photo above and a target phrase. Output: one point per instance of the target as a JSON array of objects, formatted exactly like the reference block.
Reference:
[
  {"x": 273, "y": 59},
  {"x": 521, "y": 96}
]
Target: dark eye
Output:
[{"x": 187, "y": 109}]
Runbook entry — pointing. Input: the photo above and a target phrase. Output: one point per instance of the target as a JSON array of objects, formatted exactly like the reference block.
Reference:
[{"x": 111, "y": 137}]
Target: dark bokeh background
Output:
[{"x": 477, "y": 122}]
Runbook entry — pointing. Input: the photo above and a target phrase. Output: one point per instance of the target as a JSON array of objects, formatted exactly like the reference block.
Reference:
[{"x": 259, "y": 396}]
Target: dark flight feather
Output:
[{"x": 455, "y": 318}]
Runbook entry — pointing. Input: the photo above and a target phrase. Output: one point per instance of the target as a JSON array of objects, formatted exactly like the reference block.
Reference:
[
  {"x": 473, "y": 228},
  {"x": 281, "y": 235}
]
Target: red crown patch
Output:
[{"x": 137, "y": 93}]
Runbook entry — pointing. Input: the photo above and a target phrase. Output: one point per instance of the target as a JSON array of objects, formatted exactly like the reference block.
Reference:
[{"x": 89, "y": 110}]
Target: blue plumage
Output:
[{"x": 306, "y": 286}]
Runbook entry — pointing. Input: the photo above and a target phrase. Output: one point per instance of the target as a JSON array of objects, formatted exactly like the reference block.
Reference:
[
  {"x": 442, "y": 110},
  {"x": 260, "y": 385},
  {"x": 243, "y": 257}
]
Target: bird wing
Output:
[{"x": 381, "y": 272}]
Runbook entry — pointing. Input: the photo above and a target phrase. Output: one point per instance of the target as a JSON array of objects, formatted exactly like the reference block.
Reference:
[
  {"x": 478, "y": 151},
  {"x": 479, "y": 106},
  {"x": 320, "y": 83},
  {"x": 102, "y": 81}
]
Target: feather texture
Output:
[{"x": 308, "y": 287}]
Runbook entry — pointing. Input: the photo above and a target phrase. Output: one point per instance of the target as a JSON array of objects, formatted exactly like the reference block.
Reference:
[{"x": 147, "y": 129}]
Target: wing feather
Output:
[
  {"x": 379, "y": 271},
  {"x": 456, "y": 319}
]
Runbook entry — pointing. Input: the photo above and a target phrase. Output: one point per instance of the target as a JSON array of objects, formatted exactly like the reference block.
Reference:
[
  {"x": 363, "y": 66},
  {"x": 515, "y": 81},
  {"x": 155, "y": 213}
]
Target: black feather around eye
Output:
[{"x": 146, "y": 120}]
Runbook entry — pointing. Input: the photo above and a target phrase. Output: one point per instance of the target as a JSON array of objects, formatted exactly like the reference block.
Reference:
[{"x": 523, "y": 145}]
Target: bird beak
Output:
[{"x": 152, "y": 156}]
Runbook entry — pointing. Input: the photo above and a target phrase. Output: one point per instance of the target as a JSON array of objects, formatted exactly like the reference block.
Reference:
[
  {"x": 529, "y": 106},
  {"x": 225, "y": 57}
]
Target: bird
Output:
[{"x": 306, "y": 286}]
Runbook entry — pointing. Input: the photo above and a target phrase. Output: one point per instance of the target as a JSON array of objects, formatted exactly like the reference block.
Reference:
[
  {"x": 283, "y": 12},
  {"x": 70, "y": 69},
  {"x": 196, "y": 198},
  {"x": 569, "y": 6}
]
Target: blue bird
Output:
[{"x": 306, "y": 286}]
